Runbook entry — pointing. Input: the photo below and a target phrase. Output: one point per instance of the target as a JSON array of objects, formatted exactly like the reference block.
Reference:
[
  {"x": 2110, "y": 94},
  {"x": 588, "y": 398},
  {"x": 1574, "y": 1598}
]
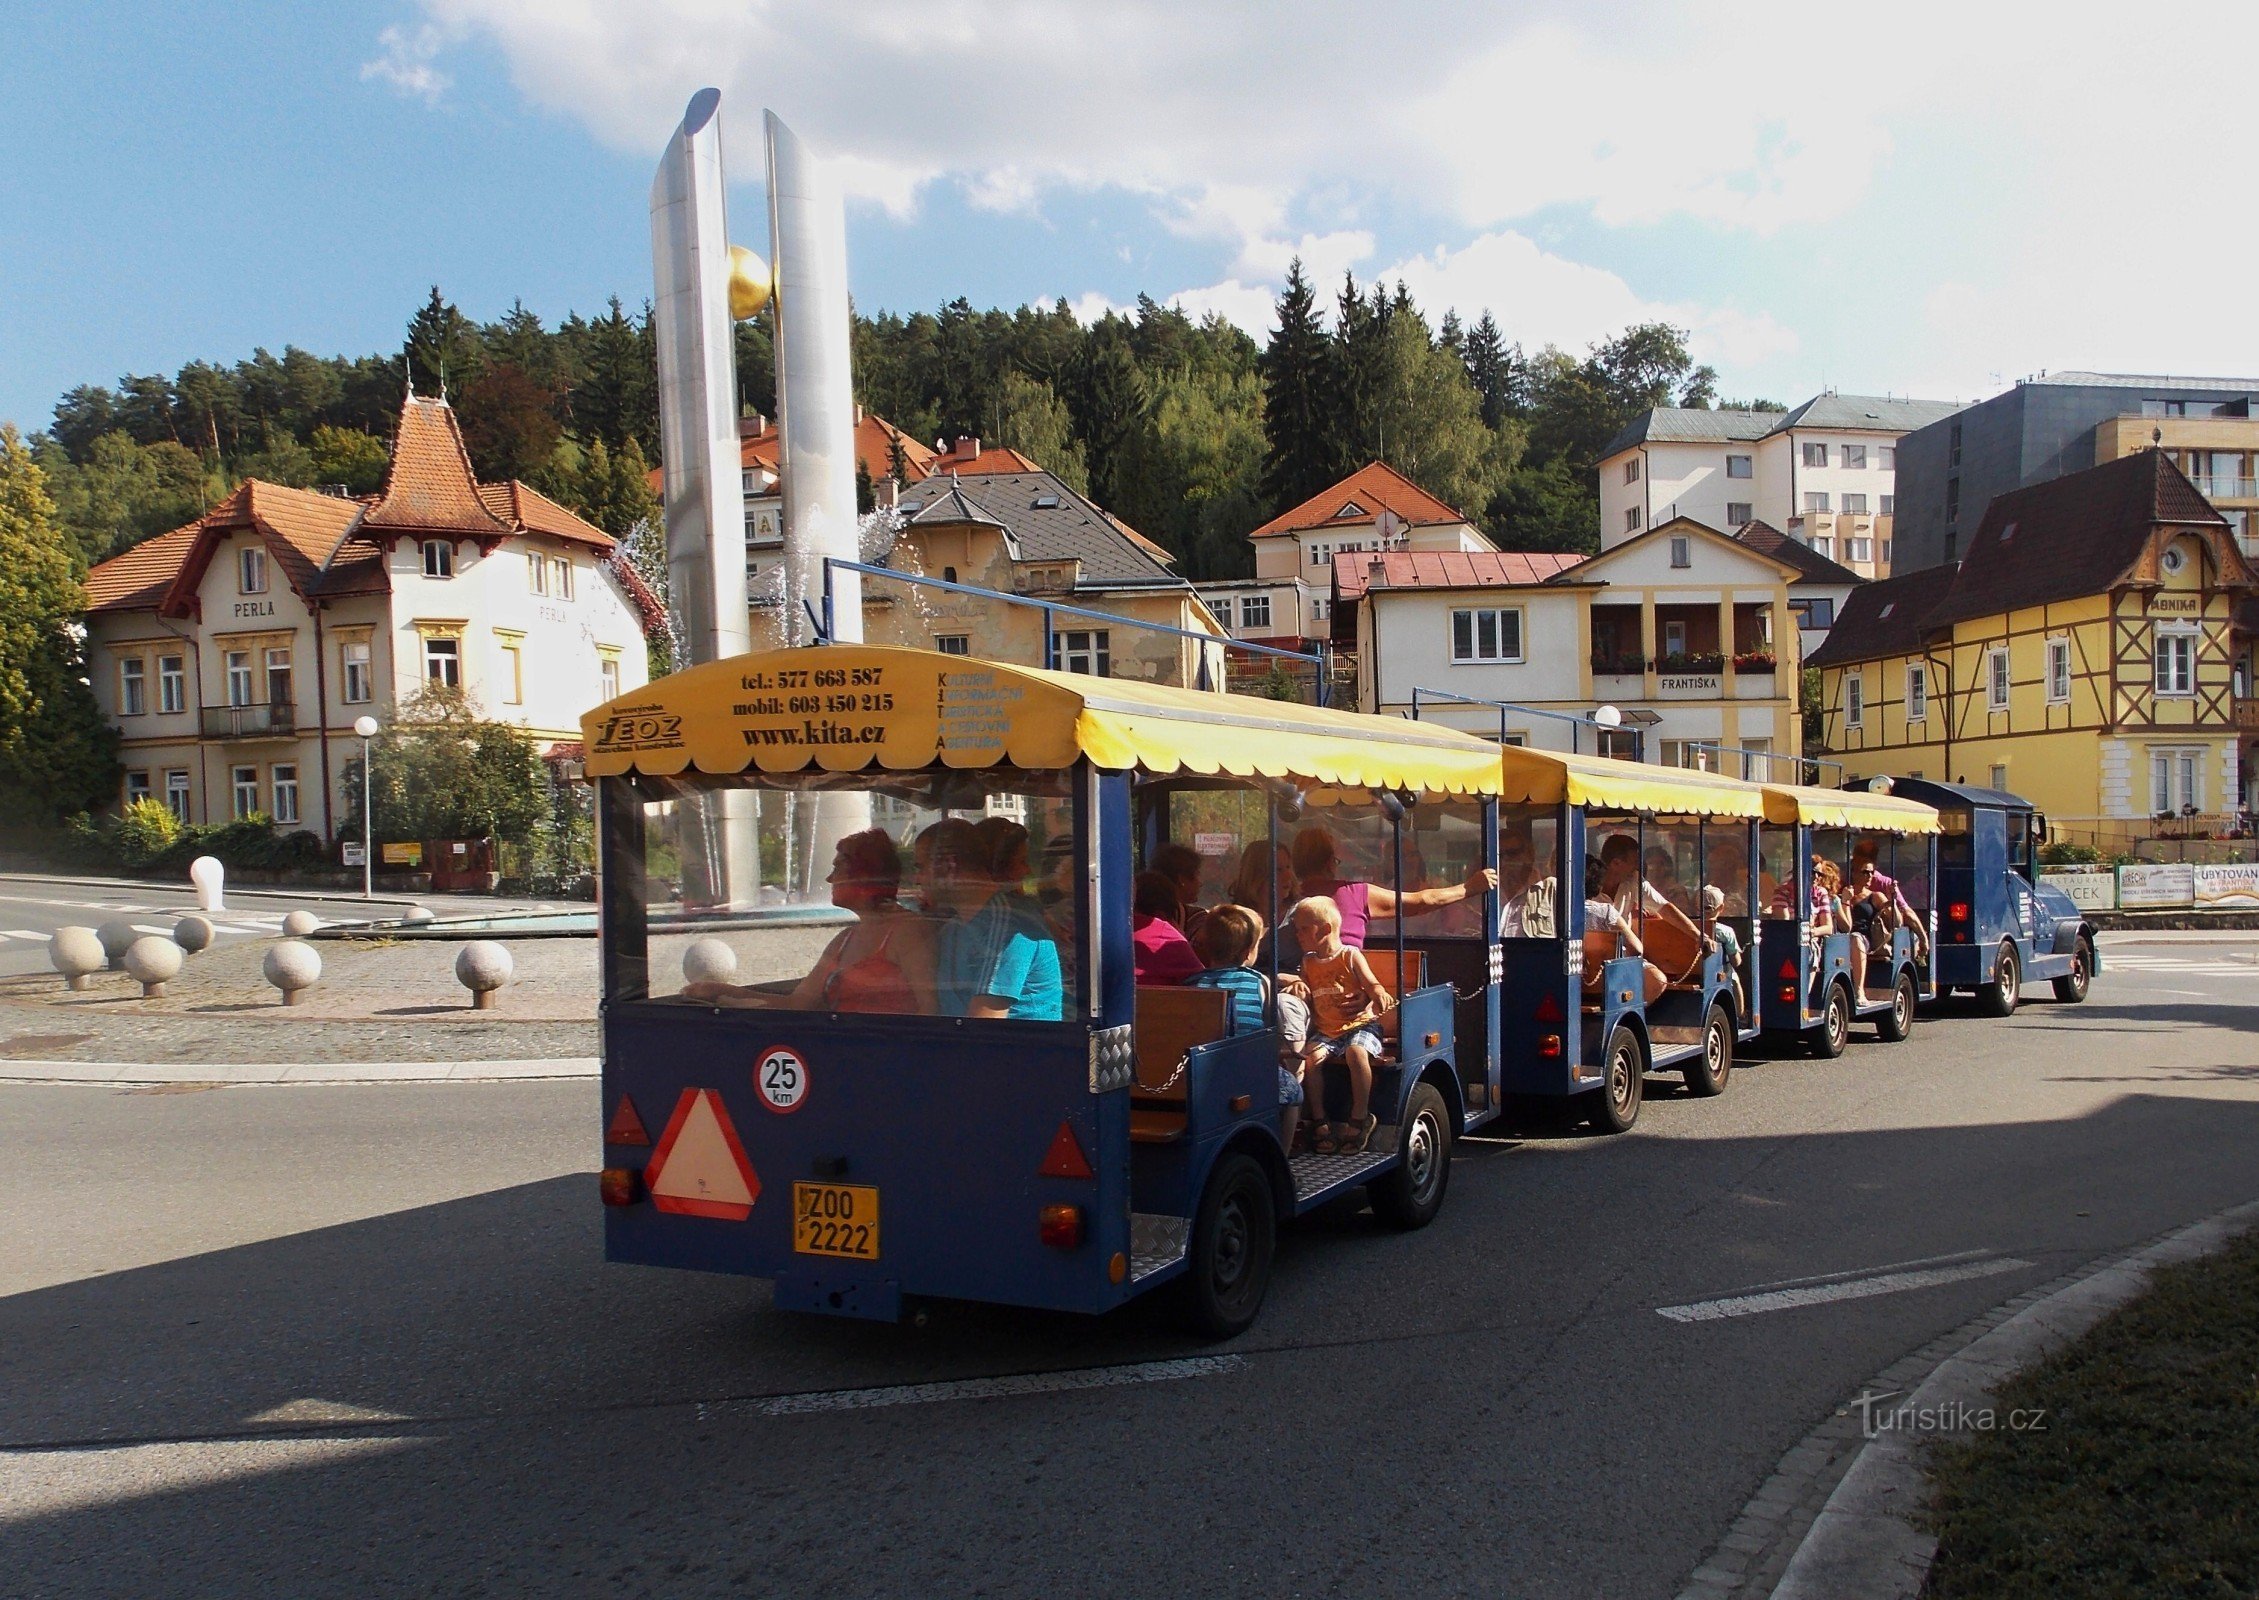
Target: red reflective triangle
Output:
[
  {"x": 626, "y": 1127},
  {"x": 699, "y": 1168},
  {"x": 1065, "y": 1158},
  {"x": 1548, "y": 1009},
  {"x": 1788, "y": 967}
]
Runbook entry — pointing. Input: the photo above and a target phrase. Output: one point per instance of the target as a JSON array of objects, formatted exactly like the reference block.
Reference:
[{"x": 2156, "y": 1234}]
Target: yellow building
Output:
[
  {"x": 1016, "y": 528},
  {"x": 2084, "y": 656}
]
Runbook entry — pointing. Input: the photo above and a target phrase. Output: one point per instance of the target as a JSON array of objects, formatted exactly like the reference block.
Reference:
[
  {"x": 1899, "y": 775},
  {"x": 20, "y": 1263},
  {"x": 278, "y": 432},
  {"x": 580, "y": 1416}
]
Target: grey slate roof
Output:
[
  {"x": 1866, "y": 412},
  {"x": 1069, "y": 528},
  {"x": 1851, "y": 412},
  {"x": 1811, "y": 566},
  {"x": 1691, "y": 425},
  {"x": 2141, "y": 380}
]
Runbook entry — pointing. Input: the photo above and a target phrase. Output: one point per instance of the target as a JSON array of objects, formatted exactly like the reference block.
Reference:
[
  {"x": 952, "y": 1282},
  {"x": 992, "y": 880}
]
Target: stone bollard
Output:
[
  {"x": 299, "y": 924},
  {"x": 193, "y": 933},
  {"x": 77, "y": 954},
  {"x": 154, "y": 961},
  {"x": 293, "y": 968},
  {"x": 483, "y": 967},
  {"x": 709, "y": 961},
  {"x": 117, "y": 936},
  {"x": 210, "y": 878},
  {"x": 416, "y": 917}
]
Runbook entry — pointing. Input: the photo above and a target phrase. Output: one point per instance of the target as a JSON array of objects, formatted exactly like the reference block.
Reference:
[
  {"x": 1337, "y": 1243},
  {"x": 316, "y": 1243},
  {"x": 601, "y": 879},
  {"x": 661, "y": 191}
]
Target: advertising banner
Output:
[
  {"x": 2155, "y": 884},
  {"x": 2089, "y": 891},
  {"x": 2228, "y": 887}
]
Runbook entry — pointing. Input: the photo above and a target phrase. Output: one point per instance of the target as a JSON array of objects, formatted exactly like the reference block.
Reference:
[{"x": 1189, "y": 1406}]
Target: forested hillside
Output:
[{"x": 1189, "y": 430}]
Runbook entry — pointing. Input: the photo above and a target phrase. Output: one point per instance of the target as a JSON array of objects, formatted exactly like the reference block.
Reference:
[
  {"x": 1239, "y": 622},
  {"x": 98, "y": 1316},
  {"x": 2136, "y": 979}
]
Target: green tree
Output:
[
  {"x": 1113, "y": 410},
  {"x": 508, "y": 424},
  {"x": 349, "y": 457},
  {"x": 283, "y": 460},
  {"x": 441, "y": 771},
  {"x": 1546, "y": 506},
  {"x": 1491, "y": 367},
  {"x": 443, "y": 347},
  {"x": 125, "y": 492},
  {"x": 617, "y": 398},
  {"x": 1298, "y": 455},
  {"x": 1032, "y": 419},
  {"x": 57, "y": 753}
]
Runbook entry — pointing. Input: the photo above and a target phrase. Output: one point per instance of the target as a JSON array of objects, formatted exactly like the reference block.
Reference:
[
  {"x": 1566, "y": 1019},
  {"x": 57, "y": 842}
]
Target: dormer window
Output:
[
  {"x": 439, "y": 558},
  {"x": 1350, "y": 508},
  {"x": 251, "y": 569}
]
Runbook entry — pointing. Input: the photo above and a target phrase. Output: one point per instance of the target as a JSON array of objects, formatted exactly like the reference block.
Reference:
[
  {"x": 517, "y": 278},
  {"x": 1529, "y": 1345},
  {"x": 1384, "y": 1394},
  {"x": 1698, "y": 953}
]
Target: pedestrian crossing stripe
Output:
[
  {"x": 24, "y": 933},
  {"x": 699, "y": 1168}
]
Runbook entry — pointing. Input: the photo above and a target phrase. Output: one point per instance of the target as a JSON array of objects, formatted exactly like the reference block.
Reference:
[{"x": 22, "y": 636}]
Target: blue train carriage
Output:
[
  {"x": 973, "y": 1099},
  {"x": 1882, "y": 848},
  {"x": 1625, "y": 935},
  {"x": 2000, "y": 927}
]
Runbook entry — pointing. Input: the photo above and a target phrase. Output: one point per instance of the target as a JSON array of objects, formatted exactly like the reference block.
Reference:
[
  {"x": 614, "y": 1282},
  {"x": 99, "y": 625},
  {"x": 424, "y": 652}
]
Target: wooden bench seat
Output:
[{"x": 1169, "y": 1023}]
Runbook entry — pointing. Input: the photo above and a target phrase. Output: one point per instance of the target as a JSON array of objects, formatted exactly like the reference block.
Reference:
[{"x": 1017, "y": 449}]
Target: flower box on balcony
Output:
[
  {"x": 1754, "y": 661},
  {"x": 1687, "y": 663}
]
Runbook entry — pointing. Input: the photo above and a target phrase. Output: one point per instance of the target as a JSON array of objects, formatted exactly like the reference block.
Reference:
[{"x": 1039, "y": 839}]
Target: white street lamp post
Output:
[{"x": 366, "y": 727}]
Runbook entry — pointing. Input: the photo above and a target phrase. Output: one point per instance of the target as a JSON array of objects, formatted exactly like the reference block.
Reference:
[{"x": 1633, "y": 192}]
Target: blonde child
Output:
[
  {"x": 1228, "y": 941},
  {"x": 1346, "y": 1002}
]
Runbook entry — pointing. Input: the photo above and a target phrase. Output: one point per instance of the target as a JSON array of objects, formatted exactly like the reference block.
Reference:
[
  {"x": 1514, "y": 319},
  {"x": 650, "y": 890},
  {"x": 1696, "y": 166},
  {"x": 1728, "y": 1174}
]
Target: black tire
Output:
[
  {"x": 1896, "y": 1023},
  {"x": 2072, "y": 986},
  {"x": 1615, "y": 1104},
  {"x": 1233, "y": 1240},
  {"x": 1707, "y": 1073},
  {"x": 1834, "y": 1031},
  {"x": 1410, "y": 1193},
  {"x": 1999, "y": 997}
]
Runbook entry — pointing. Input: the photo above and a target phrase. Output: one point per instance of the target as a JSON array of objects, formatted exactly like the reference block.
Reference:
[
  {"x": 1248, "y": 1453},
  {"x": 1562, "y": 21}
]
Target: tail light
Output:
[
  {"x": 1549, "y": 1046},
  {"x": 1958, "y": 911},
  {"x": 620, "y": 1186},
  {"x": 1788, "y": 994},
  {"x": 1060, "y": 1227}
]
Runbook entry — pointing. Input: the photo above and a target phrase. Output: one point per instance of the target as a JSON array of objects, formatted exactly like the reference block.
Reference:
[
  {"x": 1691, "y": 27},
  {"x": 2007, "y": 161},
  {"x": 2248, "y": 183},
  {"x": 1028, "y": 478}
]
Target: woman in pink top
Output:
[
  {"x": 1160, "y": 951},
  {"x": 1317, "y": 860}
]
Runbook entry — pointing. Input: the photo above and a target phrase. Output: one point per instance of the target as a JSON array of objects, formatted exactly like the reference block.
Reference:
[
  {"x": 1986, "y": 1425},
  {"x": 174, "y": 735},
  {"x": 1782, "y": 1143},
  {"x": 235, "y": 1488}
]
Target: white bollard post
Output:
[{"x": 210, "y": 879}]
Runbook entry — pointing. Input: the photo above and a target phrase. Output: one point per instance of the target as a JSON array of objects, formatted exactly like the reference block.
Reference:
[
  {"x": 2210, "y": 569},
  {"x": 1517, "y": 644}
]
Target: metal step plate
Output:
[
  {"x": 1156, "y": 1242},
  {"x": 1314, "y": 1173}
]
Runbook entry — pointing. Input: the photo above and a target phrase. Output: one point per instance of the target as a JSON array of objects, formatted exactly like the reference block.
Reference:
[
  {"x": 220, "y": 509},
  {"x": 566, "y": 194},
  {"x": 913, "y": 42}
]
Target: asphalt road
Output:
[
  {"x": 361, "y": 1341},
  {"x": 33, "y": 907}
]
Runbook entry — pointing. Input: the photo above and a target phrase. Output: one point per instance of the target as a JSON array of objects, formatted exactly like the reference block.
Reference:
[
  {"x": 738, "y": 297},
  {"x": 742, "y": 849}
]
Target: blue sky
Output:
[{"x": 1935, "y": 201}]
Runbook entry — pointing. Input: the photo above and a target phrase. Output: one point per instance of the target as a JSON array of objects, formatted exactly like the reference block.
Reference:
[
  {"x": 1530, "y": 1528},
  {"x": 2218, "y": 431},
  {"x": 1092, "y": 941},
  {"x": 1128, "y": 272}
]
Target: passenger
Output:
[
  {"x": 1005, "y": 844},
  {"x": 1886, "y": 899},
  {"x": 1252, "y": 886},
  {"x": 1601, "y": 915},
  {"x": 1228, "y": 941},
  {"x": 1829, "y": 916},
  {"x": 1056, "y": 896},
  {"x": 996, "y": 957},
  {"x": 883, "y": 964},
  {"x": 1346, "y": 1002},
  {"x": 1181, "y": 864},
  {"x": 1158, "y": 947},
  {"x": 1632, "y": 894},
  {"x": 921, "y": 855},
  {"x": 1525, "y": 901},
  {"x": 1726, "y": 895},
  {"x": 1317, "y": 860},
  {"x": 1662, "y": 876}
]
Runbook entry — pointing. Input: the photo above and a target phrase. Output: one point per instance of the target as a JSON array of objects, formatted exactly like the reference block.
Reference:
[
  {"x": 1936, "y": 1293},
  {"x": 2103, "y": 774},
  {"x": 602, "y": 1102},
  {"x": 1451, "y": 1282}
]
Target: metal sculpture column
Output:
[
  {"x": 816, "y": 424},
  {"x": 705, "y": 504}
]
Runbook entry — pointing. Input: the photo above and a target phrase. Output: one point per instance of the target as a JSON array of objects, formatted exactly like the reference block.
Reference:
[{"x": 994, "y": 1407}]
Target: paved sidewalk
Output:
[{"x": 127, "y": 1074}]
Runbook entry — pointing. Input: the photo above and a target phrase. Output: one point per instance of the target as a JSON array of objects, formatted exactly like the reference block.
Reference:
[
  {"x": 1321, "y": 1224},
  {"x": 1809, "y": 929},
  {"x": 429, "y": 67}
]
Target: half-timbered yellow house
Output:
[{"x": 2083, "y": 655}]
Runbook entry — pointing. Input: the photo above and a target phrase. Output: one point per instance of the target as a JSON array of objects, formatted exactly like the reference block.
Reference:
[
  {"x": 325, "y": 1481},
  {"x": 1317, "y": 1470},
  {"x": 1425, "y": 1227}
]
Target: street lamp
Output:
[{"x": 366, "y": 727}]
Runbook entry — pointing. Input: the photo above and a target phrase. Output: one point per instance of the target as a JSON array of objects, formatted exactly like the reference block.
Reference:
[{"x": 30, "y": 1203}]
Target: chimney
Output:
[
  {"x": 1376, "y": 574},
  {"x": 965, "y": 448},
  {"x": 858, "y": 414},
  {"x": 750, "y": 427},
  {"x": 886, "y": 494}
]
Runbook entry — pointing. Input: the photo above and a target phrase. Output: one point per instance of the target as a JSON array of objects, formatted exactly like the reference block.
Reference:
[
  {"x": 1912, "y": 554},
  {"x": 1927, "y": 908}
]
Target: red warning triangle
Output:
[
  {"x": 699, "y": 1168},
  {"x": 626, "y": 1127},
  {"x": 1065, "y": 1158}
]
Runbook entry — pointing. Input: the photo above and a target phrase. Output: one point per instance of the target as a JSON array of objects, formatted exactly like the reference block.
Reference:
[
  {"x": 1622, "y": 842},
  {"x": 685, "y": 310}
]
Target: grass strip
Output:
[{"x": 2142, "y": 1477}]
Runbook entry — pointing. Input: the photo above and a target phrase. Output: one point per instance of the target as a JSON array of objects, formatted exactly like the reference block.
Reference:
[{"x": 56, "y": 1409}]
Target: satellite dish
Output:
[{"x": 1879, "y": 785}]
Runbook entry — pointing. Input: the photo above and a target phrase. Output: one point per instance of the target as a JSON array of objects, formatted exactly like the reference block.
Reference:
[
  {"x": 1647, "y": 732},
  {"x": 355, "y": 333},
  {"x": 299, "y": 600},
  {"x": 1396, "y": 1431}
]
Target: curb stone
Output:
[{"x": 1835, "y": 1519}]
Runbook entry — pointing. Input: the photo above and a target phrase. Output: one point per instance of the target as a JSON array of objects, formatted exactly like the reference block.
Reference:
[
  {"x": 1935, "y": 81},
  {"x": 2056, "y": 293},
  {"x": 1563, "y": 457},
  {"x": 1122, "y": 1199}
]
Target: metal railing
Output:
[
  {"x": 250, "y": 722},
  {"x": 1517, "y": 708},
  {"x": 1807, "y": 768},
  {"x": 1319, "y": 656}
]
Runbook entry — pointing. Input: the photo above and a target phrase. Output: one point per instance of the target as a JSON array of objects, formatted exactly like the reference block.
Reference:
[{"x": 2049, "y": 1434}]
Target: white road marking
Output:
[
  {"x": 24, "y": 933},
  {"x": 1863, "y": 1288},
  {"x": 923, "y": 1394},
  {"x": 160, "y": 932}
]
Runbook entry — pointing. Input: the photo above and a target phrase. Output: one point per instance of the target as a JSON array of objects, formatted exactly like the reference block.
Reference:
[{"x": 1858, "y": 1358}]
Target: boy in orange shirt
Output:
[{"x": 1346, "y": 1002}]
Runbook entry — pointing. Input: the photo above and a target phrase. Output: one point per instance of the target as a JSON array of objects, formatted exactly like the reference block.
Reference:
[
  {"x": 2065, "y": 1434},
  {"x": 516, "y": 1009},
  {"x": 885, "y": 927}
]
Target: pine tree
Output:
[
  {"x": 1491, "y": 366},
  {"x": 1298, "y": 458},
  {"x": 1114, "y": 416},
  {"x": 443, "y": 347},
  {"x": 57, "y": 754}
]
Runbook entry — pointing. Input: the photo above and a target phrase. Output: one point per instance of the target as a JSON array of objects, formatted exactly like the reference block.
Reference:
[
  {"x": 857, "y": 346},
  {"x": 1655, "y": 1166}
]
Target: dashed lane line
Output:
[
  {"x": 1857, "y": 1288},
  {"x": 926, "y": 1394}
]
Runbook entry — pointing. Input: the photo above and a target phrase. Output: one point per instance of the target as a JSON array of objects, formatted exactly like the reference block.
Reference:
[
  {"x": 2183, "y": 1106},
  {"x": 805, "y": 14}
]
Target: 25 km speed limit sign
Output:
[{"x": 782, "y": 1077}]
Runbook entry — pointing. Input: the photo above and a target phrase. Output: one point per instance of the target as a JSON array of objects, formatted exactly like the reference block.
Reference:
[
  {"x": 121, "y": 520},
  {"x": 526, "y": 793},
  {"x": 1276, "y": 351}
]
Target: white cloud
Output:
[{"x": 406, "y": 63}]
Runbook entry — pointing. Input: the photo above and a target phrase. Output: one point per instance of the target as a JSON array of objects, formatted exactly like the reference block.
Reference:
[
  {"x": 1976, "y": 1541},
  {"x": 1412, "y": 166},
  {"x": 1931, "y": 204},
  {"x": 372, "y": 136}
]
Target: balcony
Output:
[
  {"x": 2246, "y": 714},
  {"x": 251, "y": 722}
]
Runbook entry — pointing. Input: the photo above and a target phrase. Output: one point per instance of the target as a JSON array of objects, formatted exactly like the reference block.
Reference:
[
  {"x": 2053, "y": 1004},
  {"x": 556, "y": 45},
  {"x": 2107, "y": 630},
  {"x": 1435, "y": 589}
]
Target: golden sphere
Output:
[{"x": 749, "y": 283}]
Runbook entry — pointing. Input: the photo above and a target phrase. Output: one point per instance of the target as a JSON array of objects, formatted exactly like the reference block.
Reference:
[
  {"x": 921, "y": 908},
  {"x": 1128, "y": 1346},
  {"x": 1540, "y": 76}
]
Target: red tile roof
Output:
[
  {"x": 429, "y": 486},
  {"x": 528, "y": 510},
  {"x": 1448, "y": 569},
  {"x": 1371, "y": 489},
  {"x": 995, "y": 459},
  {"x": 136, "y": 579},
  {"x": 875, "y": 438}
]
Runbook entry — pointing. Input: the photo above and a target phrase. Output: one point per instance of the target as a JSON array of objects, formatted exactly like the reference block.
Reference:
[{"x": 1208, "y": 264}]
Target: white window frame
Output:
[
  {"x": 1254, "y": 610},
  {"x": 1682, "y": 550},
  {"x": 137, "y": 787},
  {"x": 953, "y": 644},
  {"x": 1887, "y": 506},
  {"x": 356, "y": 659},
  {"x": 251, "y": 569},
  {"x": 1917, "y": 692},
  {"x": 1855, "y": 457},
  {"x": 1474, "y": 653},
  {"x": 133, "y": 686},
  {"x": 1815, "y": 454},
  {"x": 537, "y": 573},
  {"x": 608, "y": 676},
  {"x": 1816, "y": 502},
  {"x": 240, "y": 677},
  {"x": 561, "y": 578},
  {"x": 1631, "y": 519},
  {"x": 1886, "y": 457},
  {"x": 1856, "y": 548},
  {"x": 172, "y": 683},
  {"x": 177, "y": 791},
  {"x": 1086, "y": 650},
  {"x": 1855, "y": 503},
  {"x": 1999, "y": 680},
  {"x": 1741, "y": 466},
  {"x": 245, "y": 783},
  {"x": 1739, "y": 512},
  {"x": 283, "y": 781},
  {"x": 1631, "y": 469},
  {"x": 1855, "y": 700},
  {"x": 2175, "y": 768},
  {"x": 444, "y": 652},
  {"x": 276, "y": 663},
  {"x": 2171, "y": 647},
  {"x": 2059, "y": 671},
  {"x": 439, "y": 558}
]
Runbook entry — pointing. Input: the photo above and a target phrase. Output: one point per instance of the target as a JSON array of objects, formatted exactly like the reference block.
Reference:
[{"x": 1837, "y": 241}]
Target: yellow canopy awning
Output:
[
  {"x": 1548, "y": 777},
  {"x": 847, "y": 708},
  {"x": 1847, "y": 808}
]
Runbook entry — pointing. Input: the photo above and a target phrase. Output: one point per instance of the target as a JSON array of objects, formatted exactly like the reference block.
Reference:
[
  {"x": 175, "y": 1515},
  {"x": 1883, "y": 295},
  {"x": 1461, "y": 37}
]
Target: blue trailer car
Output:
[
  {"x": 976, "y": 1098},
  {"x": 1817, "y": 982},
  {"x": 1999, "y": 927}
]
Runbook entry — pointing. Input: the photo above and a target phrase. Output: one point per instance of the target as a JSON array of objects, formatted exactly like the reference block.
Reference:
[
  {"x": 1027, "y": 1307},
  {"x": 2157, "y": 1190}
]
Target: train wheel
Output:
[
  {"x": 1999, "y": 997},
  {"x": 1615, "y": 1104},
  {"x": 1411, "y": 1193},
  {"x": 2072, "y": 986},
  {"x": 1706, "y": 1074},
  {"x": 1233, "y": 1240},
  {"x": 1896, "y": 1023},
  {"x": 1834, "y": 1031}
]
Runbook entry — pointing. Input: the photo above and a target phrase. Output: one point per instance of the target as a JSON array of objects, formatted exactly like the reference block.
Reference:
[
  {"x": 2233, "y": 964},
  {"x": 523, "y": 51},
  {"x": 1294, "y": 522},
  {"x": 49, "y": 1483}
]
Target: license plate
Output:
[{"x": 836, "y": 1219}]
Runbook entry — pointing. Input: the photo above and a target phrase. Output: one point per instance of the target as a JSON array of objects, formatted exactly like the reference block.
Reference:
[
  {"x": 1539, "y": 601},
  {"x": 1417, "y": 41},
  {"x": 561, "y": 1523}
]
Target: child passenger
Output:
[
  {"x": 1346, "y": 1002},
  {"x": 1228, "y": 941}
]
